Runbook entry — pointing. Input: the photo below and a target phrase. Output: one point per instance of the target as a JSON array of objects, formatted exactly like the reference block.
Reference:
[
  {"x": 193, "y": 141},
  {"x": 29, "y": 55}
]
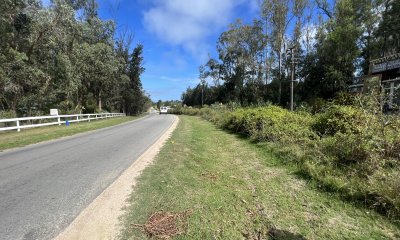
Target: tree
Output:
[
  {"x": 20, "y": 79},
  {"x": 50, "y": 57},
  {"x": 279, "y": 21},
  {"x": 203, "y": 82},
  {"x": 134, "y": 97},
  {"x": 389, "y": 28},
  {"x": 240, "y": 52}
]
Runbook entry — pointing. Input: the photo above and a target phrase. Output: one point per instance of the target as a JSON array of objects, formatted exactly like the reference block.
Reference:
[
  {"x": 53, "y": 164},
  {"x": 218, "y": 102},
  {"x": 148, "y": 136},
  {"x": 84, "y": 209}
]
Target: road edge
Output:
[
  {"x": 62, "y": 138},
  {"x": 100, "y": 220}
]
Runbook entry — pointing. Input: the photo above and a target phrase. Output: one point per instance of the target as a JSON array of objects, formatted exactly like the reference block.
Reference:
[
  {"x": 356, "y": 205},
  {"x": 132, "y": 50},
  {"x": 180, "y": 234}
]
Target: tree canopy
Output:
[
  {"x": 64, "y": 56},
  {"x": 332, "y": 41}
]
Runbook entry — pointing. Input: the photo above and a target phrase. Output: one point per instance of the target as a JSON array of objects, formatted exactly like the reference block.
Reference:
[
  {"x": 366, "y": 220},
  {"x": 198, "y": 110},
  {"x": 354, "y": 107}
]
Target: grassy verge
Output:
[
  {"x": 343, "y": 149},
  {"x": 234, "y": 189},
  {"x": 15, "y": 139}
]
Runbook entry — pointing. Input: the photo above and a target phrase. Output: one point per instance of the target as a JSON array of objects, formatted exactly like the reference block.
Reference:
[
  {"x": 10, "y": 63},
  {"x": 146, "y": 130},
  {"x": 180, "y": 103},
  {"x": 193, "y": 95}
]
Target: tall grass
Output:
[{"x": 350, "y": 150}]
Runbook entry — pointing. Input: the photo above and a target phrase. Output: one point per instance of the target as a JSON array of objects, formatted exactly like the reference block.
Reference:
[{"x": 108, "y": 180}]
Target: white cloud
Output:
[
  {"x": 188, "y": 23},
  {"x": 181, "y": 80}
]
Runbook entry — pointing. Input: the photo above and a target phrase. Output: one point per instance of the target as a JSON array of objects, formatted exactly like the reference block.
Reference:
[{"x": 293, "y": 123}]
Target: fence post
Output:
[
  {"x": 77, "y": 118},
  {"x": 18, "y": 128},
  {"x": 59, "y": 121}
]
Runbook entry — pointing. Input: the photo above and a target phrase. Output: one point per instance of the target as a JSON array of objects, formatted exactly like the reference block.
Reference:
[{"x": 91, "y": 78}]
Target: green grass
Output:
[
  {"x": 13, "y": 139},
  {"x": 239, "y": 190}
]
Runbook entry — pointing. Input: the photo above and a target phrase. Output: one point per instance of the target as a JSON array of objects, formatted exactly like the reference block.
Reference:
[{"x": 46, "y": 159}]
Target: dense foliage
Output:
[
  {"x": 254, "y": 60},
  {"x": 346, "y": 149},
  {"x": 64, "y": 56},
  {"x": 344, "y": 143}
]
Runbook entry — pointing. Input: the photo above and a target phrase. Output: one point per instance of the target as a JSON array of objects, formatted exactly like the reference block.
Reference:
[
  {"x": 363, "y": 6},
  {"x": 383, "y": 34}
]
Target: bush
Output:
[
  {"x": 215, "y": 113},
  {"x": 343, "y": 148},
  {"x": 343, "y": 119},
  {"x": 345, "y": 99},
  {"x": 272, "y": 124},
  {"x": 348, "y": 148},
  {"x": 7, "y": 114},
  {"x": 317, "y": 105},
  {"x": 185, "y": 110},
  {"x": 178, "y": 110}
]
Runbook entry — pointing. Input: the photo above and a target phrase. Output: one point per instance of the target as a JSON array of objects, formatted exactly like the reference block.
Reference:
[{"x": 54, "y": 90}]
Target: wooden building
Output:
[{"x": 384, "y": 73}]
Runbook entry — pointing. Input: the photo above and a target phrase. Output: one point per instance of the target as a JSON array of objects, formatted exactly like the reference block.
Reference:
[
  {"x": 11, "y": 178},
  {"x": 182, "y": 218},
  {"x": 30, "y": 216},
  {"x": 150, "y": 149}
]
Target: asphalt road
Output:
[{"x": 43, "y": 187}]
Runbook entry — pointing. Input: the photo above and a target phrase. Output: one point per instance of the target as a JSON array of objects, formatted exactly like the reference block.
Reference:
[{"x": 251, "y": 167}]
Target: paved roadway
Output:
[{"x": 43, "y": 187}]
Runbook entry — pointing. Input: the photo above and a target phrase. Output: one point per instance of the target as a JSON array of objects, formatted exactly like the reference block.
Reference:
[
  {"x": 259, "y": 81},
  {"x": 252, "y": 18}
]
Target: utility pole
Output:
[
  {"x": 202, "y": 95},
  {"x": 202, "y": 77},
  {"x": 293, "y": 62},
  {"x": 291, "y": 82}
]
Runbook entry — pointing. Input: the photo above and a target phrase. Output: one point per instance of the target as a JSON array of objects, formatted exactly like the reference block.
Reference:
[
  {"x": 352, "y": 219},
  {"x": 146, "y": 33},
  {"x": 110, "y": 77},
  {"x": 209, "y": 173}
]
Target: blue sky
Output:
[{"x": 178, "y": 36}]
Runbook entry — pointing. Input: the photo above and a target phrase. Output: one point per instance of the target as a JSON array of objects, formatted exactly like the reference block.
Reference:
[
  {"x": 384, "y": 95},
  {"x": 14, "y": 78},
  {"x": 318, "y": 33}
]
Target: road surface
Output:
[{"x": 43, "y": 187}]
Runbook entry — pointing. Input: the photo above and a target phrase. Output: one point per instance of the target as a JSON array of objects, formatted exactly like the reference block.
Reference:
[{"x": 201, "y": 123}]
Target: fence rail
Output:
[{"x": 27, "y": 122}]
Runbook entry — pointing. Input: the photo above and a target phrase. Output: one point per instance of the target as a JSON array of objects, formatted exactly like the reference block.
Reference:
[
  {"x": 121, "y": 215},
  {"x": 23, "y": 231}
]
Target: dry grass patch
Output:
[
  {"x": 165, "y": 225},
  {"x": 209, "y": 176}
]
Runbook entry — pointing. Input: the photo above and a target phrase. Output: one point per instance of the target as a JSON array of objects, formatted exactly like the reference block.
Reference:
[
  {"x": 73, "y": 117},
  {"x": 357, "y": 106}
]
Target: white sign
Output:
[
  {"x": 53, "y": 112},
  {"x": 389, "y": 65}
]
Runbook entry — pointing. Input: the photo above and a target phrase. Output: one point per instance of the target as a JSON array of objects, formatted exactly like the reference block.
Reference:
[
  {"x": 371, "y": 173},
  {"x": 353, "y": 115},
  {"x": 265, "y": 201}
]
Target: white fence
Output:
[{"x": 29, "y": 122}]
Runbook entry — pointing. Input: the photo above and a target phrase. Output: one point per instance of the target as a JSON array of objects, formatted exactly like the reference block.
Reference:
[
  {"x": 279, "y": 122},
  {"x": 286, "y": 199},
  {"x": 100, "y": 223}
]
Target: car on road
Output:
[{"x": 163, "y": 110}]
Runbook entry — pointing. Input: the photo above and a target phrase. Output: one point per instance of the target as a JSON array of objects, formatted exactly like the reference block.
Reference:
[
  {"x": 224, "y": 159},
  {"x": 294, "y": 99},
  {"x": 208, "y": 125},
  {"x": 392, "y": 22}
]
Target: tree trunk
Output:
[
  {"x": 99, "y": 102},
  {"x": 280, "y": 79}
]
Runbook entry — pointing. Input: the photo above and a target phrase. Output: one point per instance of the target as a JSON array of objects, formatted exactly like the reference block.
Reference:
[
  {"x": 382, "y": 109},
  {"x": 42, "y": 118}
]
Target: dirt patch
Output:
[
  {"x": 165, "y": 225},
  {"x": 210, "y": 176}
]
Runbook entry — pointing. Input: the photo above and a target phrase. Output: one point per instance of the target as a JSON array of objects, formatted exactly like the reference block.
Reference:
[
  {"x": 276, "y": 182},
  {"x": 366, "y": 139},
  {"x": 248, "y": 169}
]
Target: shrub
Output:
[
  {"x": 343, "y": 119},
  {"x": 348, "y": 148},
  {"x": 7, "y": 114},
  {"x": 178, "y": 110},
  {"x": 345, "y": 99},
  {"x": 185, "y": 110},
  {"x": 356, "y": 154},
  {"x": 316, "y": 105},
  {"x": 271, "y": 123}
]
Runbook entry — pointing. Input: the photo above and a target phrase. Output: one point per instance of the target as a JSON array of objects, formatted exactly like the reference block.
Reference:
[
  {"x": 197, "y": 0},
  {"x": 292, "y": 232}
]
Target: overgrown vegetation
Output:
[
  {"x": 235, "y": 189},
  {"x": 64, "y": 56},
  {"x": 330, "y": 41},
  {"x": 346, "y": 149}
]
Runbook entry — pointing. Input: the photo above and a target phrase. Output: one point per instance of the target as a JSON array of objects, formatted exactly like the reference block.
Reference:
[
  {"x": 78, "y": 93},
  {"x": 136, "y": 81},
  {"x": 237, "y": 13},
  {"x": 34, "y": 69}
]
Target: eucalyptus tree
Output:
[
  {"x": 54, "y": 57},
  {"x": 18, "y": 76},
  {"x": 55, "y": 31},
  {"x": 279, "y": 19},
  {"x": 389, "y": 28},
  {"x": 367, "y": 19},
  {"x": 240, "y": 52},
  {"x": 213, "y": 69},
  {"x": 331, "y": 67}
]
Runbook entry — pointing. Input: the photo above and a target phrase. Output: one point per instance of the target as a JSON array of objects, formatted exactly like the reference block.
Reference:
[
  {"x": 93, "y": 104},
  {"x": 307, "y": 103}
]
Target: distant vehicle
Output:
[{"x": 164, "y": 110}]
